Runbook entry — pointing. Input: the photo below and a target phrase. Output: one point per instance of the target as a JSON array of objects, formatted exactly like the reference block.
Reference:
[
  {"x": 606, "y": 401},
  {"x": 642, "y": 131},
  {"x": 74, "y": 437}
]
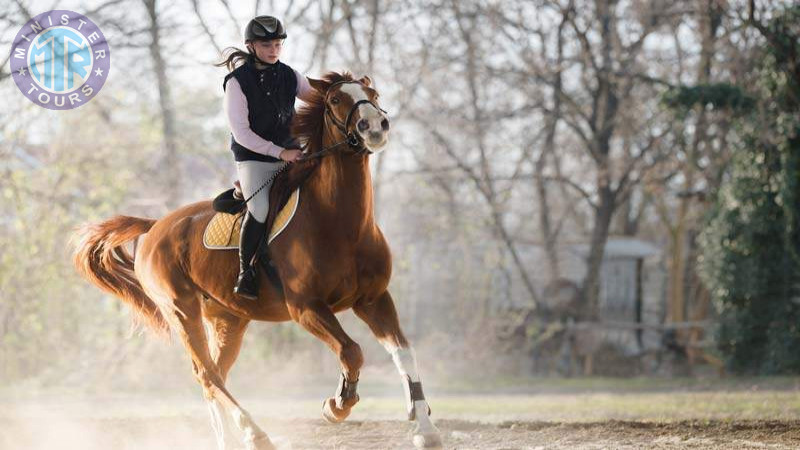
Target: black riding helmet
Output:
[{"x": 264, "y": 28}]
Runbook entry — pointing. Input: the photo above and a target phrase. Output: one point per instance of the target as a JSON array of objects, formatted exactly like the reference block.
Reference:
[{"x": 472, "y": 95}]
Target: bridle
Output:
[{"x": 351, "y": 137}]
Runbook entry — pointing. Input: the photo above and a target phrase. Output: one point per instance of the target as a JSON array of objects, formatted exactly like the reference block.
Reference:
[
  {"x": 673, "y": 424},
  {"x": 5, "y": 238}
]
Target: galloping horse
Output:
[{"x": 331, "y": 257}]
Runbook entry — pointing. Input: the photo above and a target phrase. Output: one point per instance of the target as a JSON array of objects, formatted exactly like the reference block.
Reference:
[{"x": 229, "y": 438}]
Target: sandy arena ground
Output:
[
  {"x": 180, "y": 433},
  {"x": 738, "y": 419}
]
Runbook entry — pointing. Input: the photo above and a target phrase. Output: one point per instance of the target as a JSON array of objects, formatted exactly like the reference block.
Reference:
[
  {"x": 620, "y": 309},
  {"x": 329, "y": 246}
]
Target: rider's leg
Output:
[
  {"x": 252, "y": 233},
  {"x": 252, "y": 176}
]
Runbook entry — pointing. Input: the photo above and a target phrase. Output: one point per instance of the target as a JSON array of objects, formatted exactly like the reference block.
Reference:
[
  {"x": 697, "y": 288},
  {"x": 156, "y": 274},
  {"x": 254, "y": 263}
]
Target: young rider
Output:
[{"x": 259, "y": 103}]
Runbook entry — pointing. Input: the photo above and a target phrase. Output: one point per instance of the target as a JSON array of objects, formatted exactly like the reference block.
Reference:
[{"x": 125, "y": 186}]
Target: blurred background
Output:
[{"x": 571, "y": 189}]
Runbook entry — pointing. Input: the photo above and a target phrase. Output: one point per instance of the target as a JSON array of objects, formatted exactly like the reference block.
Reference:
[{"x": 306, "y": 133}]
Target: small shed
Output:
[
  {"x": 630, "y": 288},
  {"x": 622, "y": 277},
  {"x": 631, "y": 285}
]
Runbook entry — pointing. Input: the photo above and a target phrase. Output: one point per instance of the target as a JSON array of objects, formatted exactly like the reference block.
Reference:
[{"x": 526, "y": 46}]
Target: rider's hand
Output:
[{"x": 290, "y": 155}]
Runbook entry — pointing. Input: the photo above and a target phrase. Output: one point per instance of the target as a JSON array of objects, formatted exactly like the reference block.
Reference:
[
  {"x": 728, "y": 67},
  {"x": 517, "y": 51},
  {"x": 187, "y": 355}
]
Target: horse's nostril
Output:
[
  {"x": 385, "y": 124},
  {"x": 363, "y": 125}
]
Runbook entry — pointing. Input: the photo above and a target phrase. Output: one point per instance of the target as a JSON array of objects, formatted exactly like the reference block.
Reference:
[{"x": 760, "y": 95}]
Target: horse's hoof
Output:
[
  {"x": 426, "y": 436},
  {"x": 333, "y": 414},
  {"x": 427, "y": 440}
]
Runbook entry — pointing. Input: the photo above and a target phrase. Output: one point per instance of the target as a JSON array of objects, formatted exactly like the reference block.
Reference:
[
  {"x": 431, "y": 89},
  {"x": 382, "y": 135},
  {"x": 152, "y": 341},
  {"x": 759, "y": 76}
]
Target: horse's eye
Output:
[{"x": 335, "y": 100}]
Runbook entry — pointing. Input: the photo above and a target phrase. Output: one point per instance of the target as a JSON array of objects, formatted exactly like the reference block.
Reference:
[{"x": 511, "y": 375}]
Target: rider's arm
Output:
[
  {"x": 235, "y": 105},
  {"x": 304, "y": 89}
]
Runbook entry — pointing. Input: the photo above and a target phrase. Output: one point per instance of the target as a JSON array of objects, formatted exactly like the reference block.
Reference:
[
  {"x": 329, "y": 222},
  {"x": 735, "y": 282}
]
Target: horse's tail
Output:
[{"x": 101, "y": 257}]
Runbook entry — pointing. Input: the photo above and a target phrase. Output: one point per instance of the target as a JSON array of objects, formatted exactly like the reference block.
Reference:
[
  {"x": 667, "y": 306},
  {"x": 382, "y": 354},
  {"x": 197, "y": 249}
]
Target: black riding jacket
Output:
[{"x": 270, "y": 94}]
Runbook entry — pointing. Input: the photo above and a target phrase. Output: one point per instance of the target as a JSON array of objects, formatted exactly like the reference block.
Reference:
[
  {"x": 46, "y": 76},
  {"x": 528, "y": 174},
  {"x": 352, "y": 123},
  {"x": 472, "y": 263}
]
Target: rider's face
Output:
[{"x": 267, "y": 51}]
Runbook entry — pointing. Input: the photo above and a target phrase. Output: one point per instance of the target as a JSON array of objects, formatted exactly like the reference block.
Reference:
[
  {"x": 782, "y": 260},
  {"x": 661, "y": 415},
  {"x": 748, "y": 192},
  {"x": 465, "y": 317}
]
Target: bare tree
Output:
[
  {"x": 474, "y": 119},
  {"x": 204, "y": 26},
  {"x": 597, "y": 109},
  {"x": 171, "y": 172}
]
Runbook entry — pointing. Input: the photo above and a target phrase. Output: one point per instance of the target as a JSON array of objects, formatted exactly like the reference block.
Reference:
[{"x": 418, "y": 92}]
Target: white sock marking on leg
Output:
[{"x": 406, "y": 361}]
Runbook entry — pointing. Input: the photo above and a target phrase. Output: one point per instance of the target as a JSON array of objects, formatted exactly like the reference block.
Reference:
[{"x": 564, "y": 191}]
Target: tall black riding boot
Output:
[{"x": 253, "y": 232}]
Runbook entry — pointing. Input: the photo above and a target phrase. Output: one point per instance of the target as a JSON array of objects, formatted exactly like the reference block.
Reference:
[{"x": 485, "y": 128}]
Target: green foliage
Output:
[
  {"x": 715, "y": 95},
  {"x": 751, "y": 244},
  {"x": 750, "y": 271},
  {"x": 45, "y": 308}
]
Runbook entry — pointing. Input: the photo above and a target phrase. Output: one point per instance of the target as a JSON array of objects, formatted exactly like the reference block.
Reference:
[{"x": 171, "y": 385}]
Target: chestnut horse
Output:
[{"x": 332, "y": 256}]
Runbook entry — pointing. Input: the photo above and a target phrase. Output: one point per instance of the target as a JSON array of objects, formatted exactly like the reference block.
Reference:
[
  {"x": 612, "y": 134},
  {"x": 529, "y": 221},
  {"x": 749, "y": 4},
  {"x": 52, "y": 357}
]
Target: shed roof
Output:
[{"x": 622, "y": 247}]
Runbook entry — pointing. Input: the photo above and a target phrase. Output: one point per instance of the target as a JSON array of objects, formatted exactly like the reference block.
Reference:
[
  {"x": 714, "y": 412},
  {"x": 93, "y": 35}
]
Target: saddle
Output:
[{"x": 222, "y": 232}]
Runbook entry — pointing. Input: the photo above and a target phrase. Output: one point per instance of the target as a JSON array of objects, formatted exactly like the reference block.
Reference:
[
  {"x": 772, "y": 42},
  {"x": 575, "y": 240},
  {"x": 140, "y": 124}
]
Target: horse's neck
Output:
[{"x": 343, "y": 188}]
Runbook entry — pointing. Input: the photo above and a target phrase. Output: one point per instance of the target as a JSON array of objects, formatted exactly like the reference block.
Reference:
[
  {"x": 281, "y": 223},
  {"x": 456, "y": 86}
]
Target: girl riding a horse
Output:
[
  {"x": 333, "y": 255},
  {"x": 259, "y": 100}
]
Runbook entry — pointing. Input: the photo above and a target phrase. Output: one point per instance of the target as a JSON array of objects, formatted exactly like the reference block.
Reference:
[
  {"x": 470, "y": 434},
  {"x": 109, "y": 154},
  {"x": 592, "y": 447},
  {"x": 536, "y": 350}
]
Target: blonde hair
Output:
[{"x": 233, "y": 57}]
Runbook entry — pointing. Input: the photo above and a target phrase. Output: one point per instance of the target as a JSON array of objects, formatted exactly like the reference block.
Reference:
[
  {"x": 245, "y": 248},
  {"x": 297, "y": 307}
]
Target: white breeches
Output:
[{"x": 253, "y": 175}]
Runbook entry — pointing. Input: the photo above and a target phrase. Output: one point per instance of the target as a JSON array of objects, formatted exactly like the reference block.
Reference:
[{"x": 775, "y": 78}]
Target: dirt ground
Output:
[
  {"x": 643, "y": 415},
  {"x": 184, "y": 432}
]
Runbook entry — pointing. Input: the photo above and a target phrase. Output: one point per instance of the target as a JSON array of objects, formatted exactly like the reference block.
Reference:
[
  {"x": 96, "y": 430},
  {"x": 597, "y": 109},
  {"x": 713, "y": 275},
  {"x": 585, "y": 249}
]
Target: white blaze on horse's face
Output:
[{"x": 370, "y": 122}]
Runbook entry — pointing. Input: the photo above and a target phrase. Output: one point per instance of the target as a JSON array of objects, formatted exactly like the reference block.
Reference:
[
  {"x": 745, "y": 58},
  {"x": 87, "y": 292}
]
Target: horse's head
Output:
[{"x": 352, "y": 106}]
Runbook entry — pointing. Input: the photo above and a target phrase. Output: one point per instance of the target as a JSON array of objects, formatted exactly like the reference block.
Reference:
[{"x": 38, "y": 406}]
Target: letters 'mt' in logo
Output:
[{"x": 56, "y": 56}]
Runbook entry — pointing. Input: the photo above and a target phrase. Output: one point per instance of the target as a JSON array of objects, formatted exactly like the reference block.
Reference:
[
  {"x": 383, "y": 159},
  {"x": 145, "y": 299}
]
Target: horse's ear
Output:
[
  {"x": 319, "y": 85},
  {"x": 366, "y": 81}
]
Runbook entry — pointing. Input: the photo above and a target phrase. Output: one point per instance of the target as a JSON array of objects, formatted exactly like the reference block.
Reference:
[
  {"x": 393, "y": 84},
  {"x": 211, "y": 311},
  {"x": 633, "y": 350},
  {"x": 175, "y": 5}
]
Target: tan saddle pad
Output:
[{"x": 222, "y": 232}]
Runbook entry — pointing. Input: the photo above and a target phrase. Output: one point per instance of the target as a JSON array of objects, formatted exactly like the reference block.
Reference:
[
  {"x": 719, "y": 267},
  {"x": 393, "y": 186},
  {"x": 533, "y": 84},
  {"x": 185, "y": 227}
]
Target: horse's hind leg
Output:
[
  {"x": 187, "y": 321},
  {"x": 225, "y": 333},
  {"x": 316, "y": 317},
  {"x": 381, "y": 317}
]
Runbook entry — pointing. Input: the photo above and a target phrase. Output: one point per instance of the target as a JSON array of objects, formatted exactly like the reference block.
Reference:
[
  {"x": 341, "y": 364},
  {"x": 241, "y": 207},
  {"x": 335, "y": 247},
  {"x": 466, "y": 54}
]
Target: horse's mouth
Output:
[
  {"x": 376, "y": 144},
  {"x": 375, "y": 147}
]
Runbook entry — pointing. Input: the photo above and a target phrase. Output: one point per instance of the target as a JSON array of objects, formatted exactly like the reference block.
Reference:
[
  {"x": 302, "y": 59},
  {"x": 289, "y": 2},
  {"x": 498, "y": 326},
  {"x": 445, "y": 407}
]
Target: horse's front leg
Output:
[
  {"x": 381, "y": 317},
  {"x": 316, "y": 317}
]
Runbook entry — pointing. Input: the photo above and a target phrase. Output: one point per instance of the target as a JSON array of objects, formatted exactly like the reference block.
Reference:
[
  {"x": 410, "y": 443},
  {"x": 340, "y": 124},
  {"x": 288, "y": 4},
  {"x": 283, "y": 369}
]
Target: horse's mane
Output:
[{"x": 308, "y": 128}]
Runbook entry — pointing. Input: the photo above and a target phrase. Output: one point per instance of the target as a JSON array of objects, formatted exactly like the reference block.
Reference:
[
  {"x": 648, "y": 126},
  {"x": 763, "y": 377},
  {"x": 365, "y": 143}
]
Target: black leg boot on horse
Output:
[{"x": 251, "y": 237}]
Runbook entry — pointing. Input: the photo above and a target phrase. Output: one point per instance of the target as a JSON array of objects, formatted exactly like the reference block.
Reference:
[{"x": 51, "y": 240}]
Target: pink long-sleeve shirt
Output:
[{"x": 235, "y": 105}]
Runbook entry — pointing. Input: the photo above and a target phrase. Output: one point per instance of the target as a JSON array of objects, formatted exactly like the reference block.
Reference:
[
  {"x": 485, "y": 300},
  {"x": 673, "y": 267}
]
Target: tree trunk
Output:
[
  {"x": 545, "y": 218},
  {"x": 597, "y": 246},
  {"x": 171, "y": 178},
  {"x": 548, "y": 234},
  {"x": 681, "y": 298}
]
